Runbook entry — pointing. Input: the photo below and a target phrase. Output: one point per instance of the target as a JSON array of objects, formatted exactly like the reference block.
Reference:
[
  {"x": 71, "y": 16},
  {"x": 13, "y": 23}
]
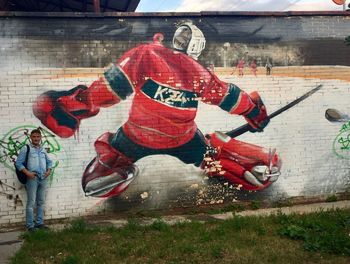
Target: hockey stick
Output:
[
  {"x": 245, "y": 128},
  {"x": 334, "y": 115}
]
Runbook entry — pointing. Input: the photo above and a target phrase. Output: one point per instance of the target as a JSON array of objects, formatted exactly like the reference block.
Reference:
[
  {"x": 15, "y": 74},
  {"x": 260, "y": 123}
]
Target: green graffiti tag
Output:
[
  {"x": 341, "y": 144},
  {"x": 16, "y": 138}
]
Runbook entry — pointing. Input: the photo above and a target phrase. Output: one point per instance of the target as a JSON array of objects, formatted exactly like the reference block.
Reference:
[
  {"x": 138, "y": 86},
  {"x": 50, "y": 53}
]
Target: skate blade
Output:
[{"x": 102, "y": 186}]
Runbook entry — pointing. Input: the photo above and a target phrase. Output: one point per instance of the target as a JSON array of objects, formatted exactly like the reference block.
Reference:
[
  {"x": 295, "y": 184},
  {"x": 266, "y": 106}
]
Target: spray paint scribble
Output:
[
  {"x": 15, "y": 139},
  {"x": 341, "y": 144}
]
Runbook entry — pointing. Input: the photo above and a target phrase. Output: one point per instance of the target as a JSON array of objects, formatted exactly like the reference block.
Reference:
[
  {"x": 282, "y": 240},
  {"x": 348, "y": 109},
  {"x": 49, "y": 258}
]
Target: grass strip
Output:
[{"x": 321, "y": 237}]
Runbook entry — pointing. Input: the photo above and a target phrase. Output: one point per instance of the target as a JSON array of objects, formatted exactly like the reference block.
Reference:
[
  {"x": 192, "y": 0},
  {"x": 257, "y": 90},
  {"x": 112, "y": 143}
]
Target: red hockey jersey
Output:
[{"x": 168, "y": 85}]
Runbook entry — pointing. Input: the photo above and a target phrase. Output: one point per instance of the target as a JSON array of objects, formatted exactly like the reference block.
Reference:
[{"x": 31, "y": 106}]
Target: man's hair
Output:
[{"x": 35, "y": 131}]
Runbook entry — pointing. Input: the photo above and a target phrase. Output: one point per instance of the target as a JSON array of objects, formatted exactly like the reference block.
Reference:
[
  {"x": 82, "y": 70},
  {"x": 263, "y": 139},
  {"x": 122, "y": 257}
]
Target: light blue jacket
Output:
[{"x": 38, "y": 160}]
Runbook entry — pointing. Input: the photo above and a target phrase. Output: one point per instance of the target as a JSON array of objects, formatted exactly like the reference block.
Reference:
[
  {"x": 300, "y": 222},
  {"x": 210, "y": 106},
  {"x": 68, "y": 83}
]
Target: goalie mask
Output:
[{"x": 189, "y": 39}]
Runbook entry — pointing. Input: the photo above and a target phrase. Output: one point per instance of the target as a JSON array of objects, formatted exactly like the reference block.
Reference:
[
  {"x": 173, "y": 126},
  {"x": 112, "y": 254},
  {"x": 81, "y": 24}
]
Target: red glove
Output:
[
  {"x": 62, "y": 111},
  {"x": 257, "y": 116}
]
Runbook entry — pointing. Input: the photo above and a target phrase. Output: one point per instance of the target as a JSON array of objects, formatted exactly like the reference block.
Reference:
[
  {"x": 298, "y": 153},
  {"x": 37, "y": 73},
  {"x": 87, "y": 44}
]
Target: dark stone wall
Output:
[{"x": 76, "y": 41}]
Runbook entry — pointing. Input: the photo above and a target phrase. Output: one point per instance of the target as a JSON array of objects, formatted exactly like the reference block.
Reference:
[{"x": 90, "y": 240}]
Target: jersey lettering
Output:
[{"x": 170, "y": 96}]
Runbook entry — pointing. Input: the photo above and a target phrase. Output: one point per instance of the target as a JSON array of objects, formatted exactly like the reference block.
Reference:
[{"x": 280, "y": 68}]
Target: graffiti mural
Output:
[
  {"x": 341, "y": 144},
  {"x": 14, "y": 140},
  {"x": 141, "y": 110},
  {"x": 10, "y": 145},
  {"x": 161, "y": 119}
]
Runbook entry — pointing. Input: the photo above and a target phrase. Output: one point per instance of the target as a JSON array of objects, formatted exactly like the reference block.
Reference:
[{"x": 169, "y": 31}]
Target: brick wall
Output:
[{"x": 42, "y": 53}]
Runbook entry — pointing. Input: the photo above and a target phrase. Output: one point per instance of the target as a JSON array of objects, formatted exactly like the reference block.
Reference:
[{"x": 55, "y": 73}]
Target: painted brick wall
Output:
[{"x": 42, "y": 53}]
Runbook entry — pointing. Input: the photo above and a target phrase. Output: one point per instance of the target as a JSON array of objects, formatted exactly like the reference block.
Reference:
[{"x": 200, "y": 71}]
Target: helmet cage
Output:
[{"x": 190, "y": 39}]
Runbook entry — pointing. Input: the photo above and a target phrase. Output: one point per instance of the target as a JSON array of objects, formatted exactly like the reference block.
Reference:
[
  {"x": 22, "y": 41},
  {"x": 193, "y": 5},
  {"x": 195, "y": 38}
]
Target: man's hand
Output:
[
  {"x": 30, "y": 175},
  {"x": 257, "y": 117},
  {"x": 47, "y": 173}
]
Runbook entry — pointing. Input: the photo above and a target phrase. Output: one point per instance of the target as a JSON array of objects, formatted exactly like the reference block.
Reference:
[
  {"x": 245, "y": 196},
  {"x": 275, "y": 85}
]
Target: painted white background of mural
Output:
[{"x": 302, "y": 137}]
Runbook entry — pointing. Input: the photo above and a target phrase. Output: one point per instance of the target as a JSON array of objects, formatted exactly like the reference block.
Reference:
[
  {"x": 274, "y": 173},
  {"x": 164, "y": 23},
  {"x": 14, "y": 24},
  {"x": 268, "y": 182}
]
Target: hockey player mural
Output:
[{"x": 167, "y": 86}]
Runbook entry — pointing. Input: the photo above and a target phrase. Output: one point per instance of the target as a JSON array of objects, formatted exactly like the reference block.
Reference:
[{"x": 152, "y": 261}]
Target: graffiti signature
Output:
[
  {"x": 341, "y": 144},
  {"x": 345, "y": 127},
  {"x": 345, "y": 142},
  {"x": 11, "y": 144},
  {"x": 14, "y": 140}
]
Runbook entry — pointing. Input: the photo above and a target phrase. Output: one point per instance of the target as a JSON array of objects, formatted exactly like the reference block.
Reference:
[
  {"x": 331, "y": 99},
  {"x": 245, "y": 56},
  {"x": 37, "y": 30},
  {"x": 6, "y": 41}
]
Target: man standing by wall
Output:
[{"x": 37, "y": 170}]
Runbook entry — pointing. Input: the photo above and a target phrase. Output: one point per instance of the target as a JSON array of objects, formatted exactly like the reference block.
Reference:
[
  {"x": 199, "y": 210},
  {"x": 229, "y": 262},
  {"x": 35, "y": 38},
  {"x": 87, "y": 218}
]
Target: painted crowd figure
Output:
[
  {"x": 253, "y": 67},
  {"x": 167, "y": 86},
  {"x": 240, "y": 67},
  {"x": 268, "y": 67}
]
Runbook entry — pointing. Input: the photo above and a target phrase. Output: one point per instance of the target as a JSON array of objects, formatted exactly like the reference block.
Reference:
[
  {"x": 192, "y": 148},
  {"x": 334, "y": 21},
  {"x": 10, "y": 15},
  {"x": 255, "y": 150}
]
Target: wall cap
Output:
[{"x": 174, "y": 14}]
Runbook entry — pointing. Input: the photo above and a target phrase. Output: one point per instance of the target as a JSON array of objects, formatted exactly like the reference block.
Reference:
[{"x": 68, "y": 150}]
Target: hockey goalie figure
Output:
[{"x": 167, "y": 85}]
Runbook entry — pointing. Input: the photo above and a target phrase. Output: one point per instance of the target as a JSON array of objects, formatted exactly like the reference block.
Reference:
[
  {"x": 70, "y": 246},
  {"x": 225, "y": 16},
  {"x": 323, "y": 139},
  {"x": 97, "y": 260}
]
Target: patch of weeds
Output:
[
  {"x": 230, "y": 208},
  {"x": 236, "y": 223},
  {"x": 188, "y": 248},
  {"x": 331, "y": 198},
  {"x": 205, "y": 236},
  {"x": 142, "y": 249},
  {"x": 334, "y": 243},
  {"x": 132, "y": 225},
  {"x": 145, "y": 213},
  {"x": 237, "y": 207},
  {"x": 70, "y": 260},
  {"x": 255, "y": 204},
  {"x": 193, "y": 211},
  {"x": 111, "y": 229},
  {"x": 252, "y": 224},
  {"x": 293, "y": 231},
  {"x": 216, "y": 251},
  {"x": 213, "y": 211},
  {"x": 281, "y": 218},
  {"x": 78, "y": 226},
  {"x": 260, "y": 230},
  {"x": 321, "y": 231},
  {"x": 159, "y": 225},
  {"x": 283, "y": 203},
  {"x": 220, "y": 230},
  {"x": 131, "y": 229},
  {"x": 124, "y": 249},
  {"x": 22, "y": 258},
  {"x": 37, "y": 235}
]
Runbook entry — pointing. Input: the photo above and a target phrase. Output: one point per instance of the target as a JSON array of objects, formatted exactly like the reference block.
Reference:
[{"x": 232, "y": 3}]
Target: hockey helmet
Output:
[{"x": 189, "y": 39}]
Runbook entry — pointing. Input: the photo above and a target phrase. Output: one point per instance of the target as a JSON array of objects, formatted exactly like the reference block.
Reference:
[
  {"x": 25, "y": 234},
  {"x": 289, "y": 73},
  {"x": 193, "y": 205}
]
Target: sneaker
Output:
[
  {"x": 42, "y": 227},
  {"x": 31, "y": 229}
]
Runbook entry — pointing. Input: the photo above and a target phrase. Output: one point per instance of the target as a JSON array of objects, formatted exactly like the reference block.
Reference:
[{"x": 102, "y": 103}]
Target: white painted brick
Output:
[{"x": 302, "y": 137}]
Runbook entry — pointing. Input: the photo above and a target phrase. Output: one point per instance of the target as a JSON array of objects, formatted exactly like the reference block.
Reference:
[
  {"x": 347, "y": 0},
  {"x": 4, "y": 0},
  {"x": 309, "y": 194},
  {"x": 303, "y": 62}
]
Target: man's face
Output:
[{"x": 36, "y": 139}]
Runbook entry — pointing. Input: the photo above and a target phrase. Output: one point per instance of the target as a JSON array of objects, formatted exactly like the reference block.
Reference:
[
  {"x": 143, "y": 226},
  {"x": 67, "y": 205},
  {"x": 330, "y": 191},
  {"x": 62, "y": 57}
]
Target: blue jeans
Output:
[{"x": 35, "y": 196}]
